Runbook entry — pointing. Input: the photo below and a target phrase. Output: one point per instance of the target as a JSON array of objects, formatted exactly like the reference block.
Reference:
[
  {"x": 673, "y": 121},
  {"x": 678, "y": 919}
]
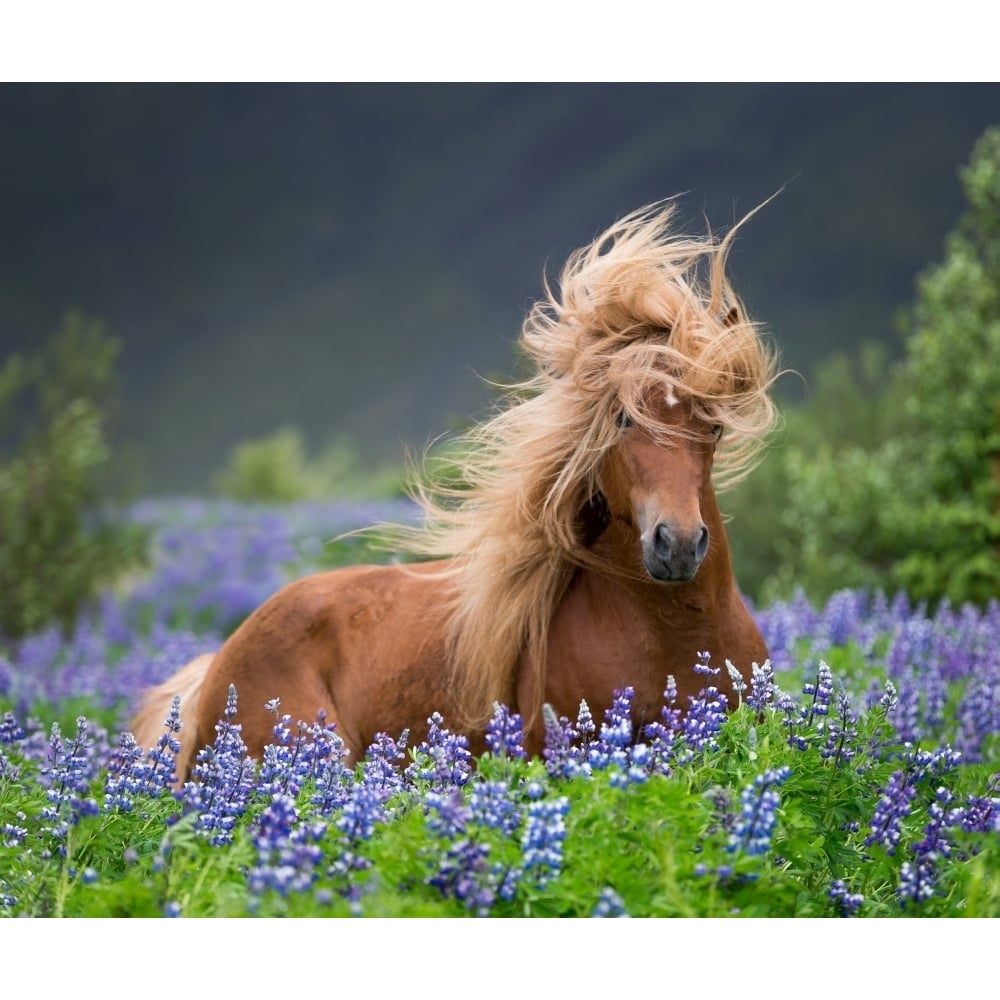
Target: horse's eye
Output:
[
  {"x": 716, "y": 431},
  {"x": 624, "y": 420}
]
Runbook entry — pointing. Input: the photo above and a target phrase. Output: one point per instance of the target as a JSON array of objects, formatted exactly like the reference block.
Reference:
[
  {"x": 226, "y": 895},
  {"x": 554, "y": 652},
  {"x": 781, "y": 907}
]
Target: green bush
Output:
[
  {"x": 57, "y": 544},
  {"x": 277, "y": 469},
  {"x": 890, "y": 477}
]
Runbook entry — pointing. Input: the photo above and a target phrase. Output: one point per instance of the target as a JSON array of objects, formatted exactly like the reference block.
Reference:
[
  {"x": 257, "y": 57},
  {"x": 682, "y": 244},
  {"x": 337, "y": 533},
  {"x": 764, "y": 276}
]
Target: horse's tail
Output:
[{"x": 150, "y": 719}]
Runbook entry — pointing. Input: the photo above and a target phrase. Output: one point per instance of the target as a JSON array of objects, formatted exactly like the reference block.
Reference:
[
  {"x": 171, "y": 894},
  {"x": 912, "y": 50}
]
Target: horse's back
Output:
[{"x": 364, "y": 645}]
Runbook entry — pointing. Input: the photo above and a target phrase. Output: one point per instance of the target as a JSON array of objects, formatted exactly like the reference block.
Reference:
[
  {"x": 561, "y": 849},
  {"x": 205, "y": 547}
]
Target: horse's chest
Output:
[{"x": 598, "y": 646}]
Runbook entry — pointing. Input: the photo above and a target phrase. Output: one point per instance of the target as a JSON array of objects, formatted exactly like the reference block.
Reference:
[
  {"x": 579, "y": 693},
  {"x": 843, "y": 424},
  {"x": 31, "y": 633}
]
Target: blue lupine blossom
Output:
[
  {"x": 609, "y": 904},
  {"x": 841, "y": 733},
  {"x": 443, "y": 759},
  {"x": 222, "y": 780},
  {"x": 462, "y": 871},
  {"x": 737, "y": 680},
  {"x": 505, "y": 734},
  {"x": 917, "y": 877},
  {"x": 893, "y": 808},
  {"x": 762, "y": 689},
  {"x": 846, "y": 903},
  {"x": 759, "y": 803},
  {"x": 464, "y": 874},
  {"x": 567, "y": 747},
  {"x": 67, "y": 775},
  {"x": 662, "y": 736},
  {"x": 136, "y": 773},
  {"x": 288, "y": 853},
  {"x": 492, "y": 806},
  {"x": 11, "y": 730},
  {"x": 820, "y": 691},
  {"x": 611, "y": 747},
  {"x": 543, "y": 837},
  {"x": 704, "y": 719}
]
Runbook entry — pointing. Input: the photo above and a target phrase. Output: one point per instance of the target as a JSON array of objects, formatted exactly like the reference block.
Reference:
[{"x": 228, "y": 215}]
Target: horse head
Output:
[{"x": 655, "y": 481}]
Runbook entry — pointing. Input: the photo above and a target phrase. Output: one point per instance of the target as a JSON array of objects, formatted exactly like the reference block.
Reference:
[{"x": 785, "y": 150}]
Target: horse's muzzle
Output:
[{"x": 672, "y": 555}]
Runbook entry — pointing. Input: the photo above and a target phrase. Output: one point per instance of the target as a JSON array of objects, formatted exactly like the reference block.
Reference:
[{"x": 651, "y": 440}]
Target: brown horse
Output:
[{"x": 583, "y": 550}]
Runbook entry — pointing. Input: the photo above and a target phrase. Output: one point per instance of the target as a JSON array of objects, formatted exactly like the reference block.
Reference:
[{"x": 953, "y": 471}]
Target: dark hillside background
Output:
[{"x": 346, "y": 258}]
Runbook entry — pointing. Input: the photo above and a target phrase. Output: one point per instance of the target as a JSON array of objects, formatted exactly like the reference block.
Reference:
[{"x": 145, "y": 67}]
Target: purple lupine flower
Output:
[
  {"x": 126, "y": 775},
  {"x": 330, "y": 776},
  {"x": 586, "y": 730},
  {"x": 443, "y": 759},
  {"x": 279, "y": 755},
  {"x": 562, "y": 757},
  {"x": 462, "y": 871},
  {"x": 163, "y": 756},
  {"x": 67, "y": 776},
  {"x": 842, "y": 732},
  {"x": 762, "y": 689},
  {"x": 367, "y": 800},
  {"x": 222, "y": 780},
  {"x": 703, "y": 667},
  {"x": 982, "y": 812},
  {"x": 978, "y": 715},
  {"x": 820, "y": 692},
  {"x": 288, "y": 855},
  {"x": 917, "y": 877},
  {"x": 12, "y": 835},
  {"x": 736, "y": 679},
  {"x": 843, "y": 616},
  {"x": 11, "y": 730},
  {"x": 845, "y": 903},
  {"x": 362, "y": 812},
  {"x": 505, "y": 733},
  {"x": 133, "y": 772},
  {"x": 724, "y": 817},
  {"x": 492, "y": 806},
  {"x": 379, "y": 770},
  {"x": 611, "y": 747},
  {"x": 931, "y": 763},
  {"x": 759, "y": 803},
  {"x": 8, "y": 771},
  {"x": 447, "y": 814},
  {"x": 894, "y": 805},
  {"x": 704, "y": 719},
  {"x": 908, "y": 716},
  {"x": 287, "y": 762},
  {"x": 663, "y": 735},
  {"x": 609, "y": 904},
  {"x": 464, "y": 874},
  {"x": 542, "y": 840}
]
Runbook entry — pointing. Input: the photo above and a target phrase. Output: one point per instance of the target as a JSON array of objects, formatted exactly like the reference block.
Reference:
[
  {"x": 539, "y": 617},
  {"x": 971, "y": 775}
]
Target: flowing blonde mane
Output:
[{"x": 640, "y": 309}]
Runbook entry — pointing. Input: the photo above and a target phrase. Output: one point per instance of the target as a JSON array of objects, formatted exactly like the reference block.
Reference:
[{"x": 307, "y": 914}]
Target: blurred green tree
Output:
[
  {"x": 890, "y": 477},
  {"x": 57, "y": 542}
]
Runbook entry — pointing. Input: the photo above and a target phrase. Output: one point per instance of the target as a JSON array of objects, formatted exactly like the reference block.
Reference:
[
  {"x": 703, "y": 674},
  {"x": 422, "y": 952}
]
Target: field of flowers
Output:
[{"x": 857, "y": 777}]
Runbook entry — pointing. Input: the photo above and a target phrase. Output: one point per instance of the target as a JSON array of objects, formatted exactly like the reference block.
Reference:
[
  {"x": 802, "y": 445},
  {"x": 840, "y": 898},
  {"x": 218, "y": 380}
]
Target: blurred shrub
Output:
[
  {"x": 277, "y": 469},
  {"x": 56, "y": 542},
  {"x": 891, "y": 477}
]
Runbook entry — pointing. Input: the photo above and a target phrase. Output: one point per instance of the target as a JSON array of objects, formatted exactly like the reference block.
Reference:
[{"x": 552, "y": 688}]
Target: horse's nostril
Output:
[{"x": 701, "y": 547}]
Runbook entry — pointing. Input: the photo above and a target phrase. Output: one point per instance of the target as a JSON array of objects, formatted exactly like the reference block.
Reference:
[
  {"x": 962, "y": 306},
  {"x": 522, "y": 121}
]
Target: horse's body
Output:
[{"x": 587, "y": 551}]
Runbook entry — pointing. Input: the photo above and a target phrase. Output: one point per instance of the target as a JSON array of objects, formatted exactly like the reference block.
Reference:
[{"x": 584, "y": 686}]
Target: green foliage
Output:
[
  {"x": 277, "y": 469},
  {"x": 58, "y": 547},
  {"x": 890, "y": 477}
]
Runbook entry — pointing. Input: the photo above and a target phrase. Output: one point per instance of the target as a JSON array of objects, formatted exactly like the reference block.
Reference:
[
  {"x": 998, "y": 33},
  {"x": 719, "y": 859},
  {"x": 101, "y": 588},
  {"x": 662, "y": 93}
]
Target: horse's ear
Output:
[{"x": 732, "y": 317}]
